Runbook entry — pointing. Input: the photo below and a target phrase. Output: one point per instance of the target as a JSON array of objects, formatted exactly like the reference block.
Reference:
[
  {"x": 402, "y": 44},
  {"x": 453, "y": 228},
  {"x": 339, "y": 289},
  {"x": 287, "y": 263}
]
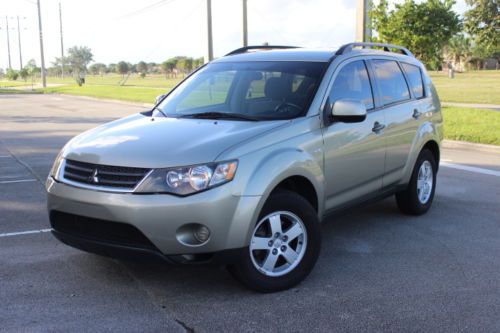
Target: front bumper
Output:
[{"x": 158, "y": 217}]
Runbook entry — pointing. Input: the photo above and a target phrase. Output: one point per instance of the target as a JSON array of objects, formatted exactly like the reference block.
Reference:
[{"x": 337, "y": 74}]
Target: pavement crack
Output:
[
  {"x": 25, "y": 165},
  {"x": 186, "y": 327}
]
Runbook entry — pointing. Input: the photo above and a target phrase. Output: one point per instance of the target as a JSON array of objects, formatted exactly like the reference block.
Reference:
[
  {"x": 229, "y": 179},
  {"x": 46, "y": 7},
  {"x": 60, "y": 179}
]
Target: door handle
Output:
[
  {"x": 416, "y": 114},
  {"x": 377, "y": 127}
]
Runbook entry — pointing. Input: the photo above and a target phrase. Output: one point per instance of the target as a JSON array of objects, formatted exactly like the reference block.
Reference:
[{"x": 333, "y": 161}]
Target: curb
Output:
[{"x": 452, "y": 144}]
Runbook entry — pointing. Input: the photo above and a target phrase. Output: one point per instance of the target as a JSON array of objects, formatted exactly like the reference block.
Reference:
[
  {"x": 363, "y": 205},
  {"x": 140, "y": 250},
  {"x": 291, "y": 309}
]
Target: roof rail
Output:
[
  {"x": 259, "y": 47},
  {"x": 387, "y": 47}
]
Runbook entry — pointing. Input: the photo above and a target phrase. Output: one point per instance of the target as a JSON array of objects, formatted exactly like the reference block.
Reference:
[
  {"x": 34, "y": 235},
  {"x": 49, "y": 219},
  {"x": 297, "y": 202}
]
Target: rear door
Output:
[
  {"x": 399, "y": 105},
  {"x": 354, "y": 152}
]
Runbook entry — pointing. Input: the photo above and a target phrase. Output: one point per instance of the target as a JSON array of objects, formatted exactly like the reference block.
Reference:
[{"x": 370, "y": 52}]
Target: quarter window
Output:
[
  {"x": 352, "y": 82},
  {"x": 391, "y": 81},
  {"x": 415, "y": 77}
]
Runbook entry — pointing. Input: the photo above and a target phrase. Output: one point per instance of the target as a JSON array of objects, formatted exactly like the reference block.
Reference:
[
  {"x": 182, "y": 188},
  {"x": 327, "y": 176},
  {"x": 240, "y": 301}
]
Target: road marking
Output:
[
  {"x": 5, "y": 156},
  {"x": 10, "y": 234},
  {"x": 17, "y": 181},
  {"x": 471, "y": 169}
]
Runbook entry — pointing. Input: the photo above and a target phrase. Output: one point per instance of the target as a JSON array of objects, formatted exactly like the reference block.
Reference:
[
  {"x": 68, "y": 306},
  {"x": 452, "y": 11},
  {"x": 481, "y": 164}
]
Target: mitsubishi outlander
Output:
[{"x": 241, "y": 162}]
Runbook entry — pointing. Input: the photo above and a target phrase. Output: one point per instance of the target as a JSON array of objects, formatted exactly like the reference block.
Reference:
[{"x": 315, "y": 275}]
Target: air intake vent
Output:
[{"x": 104, "y": 175}]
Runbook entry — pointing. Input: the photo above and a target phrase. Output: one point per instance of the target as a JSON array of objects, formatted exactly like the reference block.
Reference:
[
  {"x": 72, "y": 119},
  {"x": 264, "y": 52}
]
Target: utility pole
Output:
[
  {"x": 8, "y": 42},
  {"x": 363, "y": 31},
  {"x": 245, "y": 23},
  {"x": 210, "y": 53},
  {"x": 19, "y": 39},
  {"x": 62, "y": 47},
  {"x": 42, "y": 59}
]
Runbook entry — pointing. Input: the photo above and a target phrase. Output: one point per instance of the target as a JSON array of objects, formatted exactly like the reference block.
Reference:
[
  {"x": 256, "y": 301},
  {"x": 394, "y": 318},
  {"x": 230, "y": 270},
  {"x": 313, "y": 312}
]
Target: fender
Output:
[
  {"x": 430, "y": 130},
  {"x": 277, "y": 166}
]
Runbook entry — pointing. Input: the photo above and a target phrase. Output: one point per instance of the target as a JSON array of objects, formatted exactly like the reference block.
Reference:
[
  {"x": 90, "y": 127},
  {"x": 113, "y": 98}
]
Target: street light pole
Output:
[
  {"x": 8, "y": 42},
  {"x": 245, "y": 23},
  {"x": 19, "y": 39},
  {"x": 42, "y": 59},
  {"x": 363, "y": 31},
  {"x": 62, "y": 47},
  {"x": 210, "y": 53}
]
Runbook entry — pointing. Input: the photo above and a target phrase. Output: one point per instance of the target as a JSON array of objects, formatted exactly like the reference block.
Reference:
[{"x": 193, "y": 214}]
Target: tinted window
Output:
[
  {"x": 391, "y": 80},
  {"x": 415, "y": 77},
  {"x": 352, "y": 82}
]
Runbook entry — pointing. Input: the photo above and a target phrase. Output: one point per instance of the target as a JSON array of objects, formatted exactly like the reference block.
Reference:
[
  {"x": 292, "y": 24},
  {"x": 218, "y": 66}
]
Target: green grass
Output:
[
  {"x": 472, "y": 125},
  {"x": 125, "y": 93},
  {"x": 465, "y": 124},
  {"x": 482, "y": 87}
]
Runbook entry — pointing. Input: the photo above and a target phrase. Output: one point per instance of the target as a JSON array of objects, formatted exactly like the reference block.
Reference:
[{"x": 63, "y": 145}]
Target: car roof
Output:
[
  {"x": 304, "y": 54},
  {"x": 292, "y": 54}
]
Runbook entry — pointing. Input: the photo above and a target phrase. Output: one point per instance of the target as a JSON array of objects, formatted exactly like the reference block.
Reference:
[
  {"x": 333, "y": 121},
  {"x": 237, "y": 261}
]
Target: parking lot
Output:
[{"x": 378, "y": 270}]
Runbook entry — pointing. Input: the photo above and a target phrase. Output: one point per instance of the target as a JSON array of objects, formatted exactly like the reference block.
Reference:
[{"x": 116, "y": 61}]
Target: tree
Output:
[
  {"x": 78, "y": 58},
  {"x": 424, "y": 27},
  {"x": 197, "y": 62},
  {"x": 168, "y": 66},
  {"x": 482, "y": 21},
  {"x": 12, "y": 74},
  {"x": 112, "y": 68},
  {"x": 122, "y": 68},
  {"x": 97, "y": 68},
  {"x": 142, "y": 67},
  {"x": 24, "y": 73},
  {"x": 459, "y": 50}
]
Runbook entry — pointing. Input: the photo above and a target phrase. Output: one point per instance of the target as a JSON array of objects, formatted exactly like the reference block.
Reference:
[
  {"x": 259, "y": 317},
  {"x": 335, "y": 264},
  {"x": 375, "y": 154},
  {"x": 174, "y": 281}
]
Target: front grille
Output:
[
  {"x": 104, "y": 175},
  {"x": 100, "y": 230}
]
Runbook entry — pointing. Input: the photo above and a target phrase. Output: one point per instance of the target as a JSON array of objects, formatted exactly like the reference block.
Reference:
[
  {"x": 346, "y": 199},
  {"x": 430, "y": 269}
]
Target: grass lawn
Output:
[
  {"x": 465, "y": 124},
  {"x": 472, "y": 125},
  {"x": 482, "y": 87},
  {"x": 125, "y": 93}
]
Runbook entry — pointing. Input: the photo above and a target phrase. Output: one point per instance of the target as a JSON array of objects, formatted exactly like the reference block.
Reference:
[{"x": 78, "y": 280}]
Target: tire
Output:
[
  {"x": 299, "y": 221},
  {"x": 412, "y": 201}
]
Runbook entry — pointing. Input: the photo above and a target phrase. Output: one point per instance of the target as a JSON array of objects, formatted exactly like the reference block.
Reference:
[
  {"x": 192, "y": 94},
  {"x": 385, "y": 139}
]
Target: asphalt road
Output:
[{"x": 378, "y": 270}]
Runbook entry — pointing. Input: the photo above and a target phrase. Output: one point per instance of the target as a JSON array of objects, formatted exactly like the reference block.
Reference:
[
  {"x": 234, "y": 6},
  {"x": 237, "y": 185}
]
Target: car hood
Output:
[{"x": 142, "y": 141}]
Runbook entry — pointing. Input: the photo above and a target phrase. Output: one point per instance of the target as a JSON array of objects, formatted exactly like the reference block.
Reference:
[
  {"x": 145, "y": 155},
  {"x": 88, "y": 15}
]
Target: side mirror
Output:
[
  {"x": 159, "y": 98},
  {"x": 349, "y": 111}
]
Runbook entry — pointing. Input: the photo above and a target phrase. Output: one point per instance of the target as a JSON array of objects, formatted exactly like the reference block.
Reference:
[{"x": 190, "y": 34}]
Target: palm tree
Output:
[{"x": 458, "y": 50}]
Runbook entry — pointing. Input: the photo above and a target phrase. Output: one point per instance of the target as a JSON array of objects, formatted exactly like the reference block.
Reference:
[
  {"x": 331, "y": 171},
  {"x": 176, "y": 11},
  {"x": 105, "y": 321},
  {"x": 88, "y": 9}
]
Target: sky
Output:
[{"x": 155, "y": 30}]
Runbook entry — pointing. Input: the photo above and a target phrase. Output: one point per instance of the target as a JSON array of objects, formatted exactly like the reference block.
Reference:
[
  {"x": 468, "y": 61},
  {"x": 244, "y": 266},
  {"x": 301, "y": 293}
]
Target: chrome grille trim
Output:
[{"x": 127, "y": 179}]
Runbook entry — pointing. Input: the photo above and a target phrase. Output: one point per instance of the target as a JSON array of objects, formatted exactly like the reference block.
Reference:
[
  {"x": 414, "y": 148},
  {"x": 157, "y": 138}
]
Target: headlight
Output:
[
  {"x": 188, "y": 180},
  {"x": 56, "y": 168}
]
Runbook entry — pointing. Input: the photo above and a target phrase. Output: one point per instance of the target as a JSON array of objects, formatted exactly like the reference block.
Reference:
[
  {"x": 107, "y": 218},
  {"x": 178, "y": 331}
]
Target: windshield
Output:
[{"x": 246, "y": 91}]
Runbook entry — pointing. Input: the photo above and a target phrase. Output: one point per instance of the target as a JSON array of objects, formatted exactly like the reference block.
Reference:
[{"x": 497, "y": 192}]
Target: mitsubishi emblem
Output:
[{"x": 93, "y": 178}]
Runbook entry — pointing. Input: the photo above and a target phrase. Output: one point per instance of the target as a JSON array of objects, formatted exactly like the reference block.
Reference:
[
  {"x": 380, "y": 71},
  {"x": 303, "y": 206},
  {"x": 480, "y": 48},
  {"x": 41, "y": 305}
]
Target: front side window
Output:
[
  {"x": 391, "y": 81},
  {"x": 415, "y": 77},
  {"x": 261, "y": 90},
  {"x": 352, "y": 82}
]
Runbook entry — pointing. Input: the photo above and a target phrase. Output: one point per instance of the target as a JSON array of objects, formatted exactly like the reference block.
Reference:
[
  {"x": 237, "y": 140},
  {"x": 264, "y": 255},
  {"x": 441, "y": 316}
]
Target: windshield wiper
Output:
[
  {"x": 161, "y": 111},
  {"x": 220, "y": 115}
]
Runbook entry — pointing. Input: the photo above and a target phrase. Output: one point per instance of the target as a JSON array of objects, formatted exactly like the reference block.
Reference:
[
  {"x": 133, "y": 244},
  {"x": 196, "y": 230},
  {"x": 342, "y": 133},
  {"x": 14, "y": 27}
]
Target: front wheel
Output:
[
  {"x": 418, "y": 196},
  {"x": 284, "y": 246}
]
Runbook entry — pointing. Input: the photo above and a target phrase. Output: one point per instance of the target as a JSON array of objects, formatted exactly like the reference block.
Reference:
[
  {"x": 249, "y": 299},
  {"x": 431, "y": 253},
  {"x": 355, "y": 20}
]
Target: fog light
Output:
[{"x": 201, "y": 233}]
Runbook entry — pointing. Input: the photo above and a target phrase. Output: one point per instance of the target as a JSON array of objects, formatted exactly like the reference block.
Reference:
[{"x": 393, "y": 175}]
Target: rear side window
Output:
[
  {"x": 415, "y": 77},
  {"x": 391, "y": 81},
  {"x": 352, "y": 82}
]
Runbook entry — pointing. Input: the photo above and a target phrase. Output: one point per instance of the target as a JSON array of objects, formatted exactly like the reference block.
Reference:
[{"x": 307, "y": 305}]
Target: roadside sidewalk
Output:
[{"x": 494, "y": 107}]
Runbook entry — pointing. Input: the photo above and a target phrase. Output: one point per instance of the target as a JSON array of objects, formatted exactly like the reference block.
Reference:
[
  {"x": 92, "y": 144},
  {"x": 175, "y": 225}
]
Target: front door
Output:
[{"x": 354, "y": 152}]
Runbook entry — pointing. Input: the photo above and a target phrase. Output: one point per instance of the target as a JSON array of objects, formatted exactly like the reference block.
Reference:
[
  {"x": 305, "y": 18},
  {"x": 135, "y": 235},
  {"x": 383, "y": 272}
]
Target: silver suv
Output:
[{"x": 240, "y": 163}]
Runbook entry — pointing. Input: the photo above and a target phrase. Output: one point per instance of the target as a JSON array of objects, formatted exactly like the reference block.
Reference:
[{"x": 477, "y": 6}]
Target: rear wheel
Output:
[
  {"x": 284, "y": 246},
  {"x": 418, "y": 196}
]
